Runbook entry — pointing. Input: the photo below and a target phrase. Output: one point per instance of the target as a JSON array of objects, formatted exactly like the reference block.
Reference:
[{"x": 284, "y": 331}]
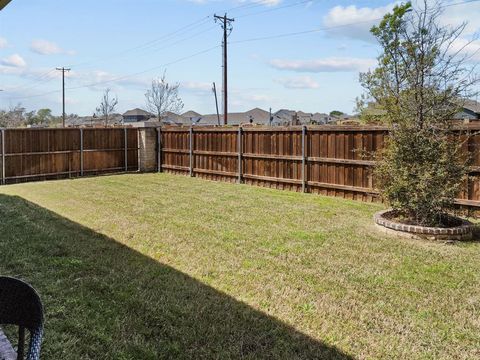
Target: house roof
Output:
[
  {"x": 257, "y": 112},
  {"x": 257, "y": 115},
  {"x": 190, "y": 114},
  {"x": 472, "y": 105},
  {"x": 137, "y": 112}
]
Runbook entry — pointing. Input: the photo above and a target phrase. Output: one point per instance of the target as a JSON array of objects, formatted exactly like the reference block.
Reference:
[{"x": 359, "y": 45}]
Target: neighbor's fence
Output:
[
  {"x": 329, "y": 160},
  {"x": 37, "y": 154}
]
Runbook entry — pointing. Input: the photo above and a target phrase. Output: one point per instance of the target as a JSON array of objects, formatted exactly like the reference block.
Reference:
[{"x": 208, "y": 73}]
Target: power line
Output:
[
  {"x": 277, "y": 36},
  {"x": 277, "y": 8},
  {"x": 212, "y": 48},
  {"x": 147, "y": 70},
  {"x": 121, "y": 77},
  {"x": 170, "y": 35},
  {"x": 157, "y": 49},
  {"x": 302, "y": 32},
  {"x": 37, "y": 80},
  {"x": 150, "y": 44},
  {"x": 248, "y": 5}
]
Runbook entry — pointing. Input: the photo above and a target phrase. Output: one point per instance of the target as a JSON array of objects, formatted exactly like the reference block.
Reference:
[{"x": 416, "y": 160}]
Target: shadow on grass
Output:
[{"x": 104, "y": 300}]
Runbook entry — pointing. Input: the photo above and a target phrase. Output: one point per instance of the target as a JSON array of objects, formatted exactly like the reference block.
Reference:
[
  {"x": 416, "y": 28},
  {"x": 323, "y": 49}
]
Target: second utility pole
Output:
[
  {"x": 227, "y": 27},
  {"x": 62, "y": 69}
]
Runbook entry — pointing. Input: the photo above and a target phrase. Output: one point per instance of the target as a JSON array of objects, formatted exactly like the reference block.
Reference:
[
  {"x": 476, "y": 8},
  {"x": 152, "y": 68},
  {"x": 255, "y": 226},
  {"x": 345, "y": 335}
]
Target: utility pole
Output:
[
  {"x": 62, "y": 69},
  {"x": 216, "y": 102},
  {"x": 226, "y": 24}
]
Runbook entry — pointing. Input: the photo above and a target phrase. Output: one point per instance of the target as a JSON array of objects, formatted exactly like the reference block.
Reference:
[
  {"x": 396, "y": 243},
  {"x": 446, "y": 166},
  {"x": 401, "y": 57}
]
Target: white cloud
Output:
[
  {"x": 14, "y": 60},
  {"x": 98, "y": 80},
  {"x": 45, "y": 47},
  {"x": 354, "y": 22},
  {"x": 324, "y": 65},
  {"x": 268, "y": 2},
  {"x": 199, "y": 87},
  {"x": 301, "y": 82},
  {"x": 3, "y": 43},
  {"x": 257, "y": 97}
]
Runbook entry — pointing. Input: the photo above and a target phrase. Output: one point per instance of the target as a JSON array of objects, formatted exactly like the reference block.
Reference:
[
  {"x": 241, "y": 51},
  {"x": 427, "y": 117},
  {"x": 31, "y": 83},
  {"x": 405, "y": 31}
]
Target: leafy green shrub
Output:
[{"x": 419, "y": 83}]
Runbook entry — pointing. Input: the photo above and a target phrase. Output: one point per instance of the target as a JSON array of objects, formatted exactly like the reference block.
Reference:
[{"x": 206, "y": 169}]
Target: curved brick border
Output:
[{"x": 462, "y": 232}]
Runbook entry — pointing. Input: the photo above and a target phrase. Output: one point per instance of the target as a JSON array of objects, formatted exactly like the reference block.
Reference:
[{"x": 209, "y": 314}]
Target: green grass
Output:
[{"x": 162, "y": 266}]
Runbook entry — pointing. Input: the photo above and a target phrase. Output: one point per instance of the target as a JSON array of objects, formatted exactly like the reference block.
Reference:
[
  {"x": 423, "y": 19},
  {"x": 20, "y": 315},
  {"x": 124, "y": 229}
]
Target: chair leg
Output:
[{"x": 21, "y": 342}]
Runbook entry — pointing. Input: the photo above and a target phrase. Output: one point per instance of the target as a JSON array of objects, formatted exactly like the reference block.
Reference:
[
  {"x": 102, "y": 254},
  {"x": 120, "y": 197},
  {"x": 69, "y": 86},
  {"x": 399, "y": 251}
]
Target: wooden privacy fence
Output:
[
  {"x": 329, "y": 160},
  {"x": 35, "y": 154}
]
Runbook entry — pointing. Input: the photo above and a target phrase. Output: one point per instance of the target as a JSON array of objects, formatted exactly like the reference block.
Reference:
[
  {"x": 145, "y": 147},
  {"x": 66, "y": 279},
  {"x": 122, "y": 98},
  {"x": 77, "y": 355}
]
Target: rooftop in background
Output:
[
  {"x": 136, "y": 112},
  {"x": 256, "y": 116},
  {"x": 472, "y": 105}
]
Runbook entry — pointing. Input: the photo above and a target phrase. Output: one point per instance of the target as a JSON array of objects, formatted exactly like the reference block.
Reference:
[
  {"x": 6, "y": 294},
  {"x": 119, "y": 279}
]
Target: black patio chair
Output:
[{"x": 20, "y": 305}]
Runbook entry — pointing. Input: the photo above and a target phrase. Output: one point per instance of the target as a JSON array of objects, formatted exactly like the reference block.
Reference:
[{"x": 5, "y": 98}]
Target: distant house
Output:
[
  {"x": 95, "y": 120},
  {"x": 136, "y": 115},
  {"x": 170, "y": 118},
  {"x": 254, "y": 116},
  {"x": 470, "y": 111},
  {"x": 286, "y": 117}
]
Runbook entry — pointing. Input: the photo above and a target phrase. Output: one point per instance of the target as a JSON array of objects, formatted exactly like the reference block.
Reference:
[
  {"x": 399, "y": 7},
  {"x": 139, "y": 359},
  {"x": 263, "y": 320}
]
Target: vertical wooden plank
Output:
[
  {"x": 81, "y": 152},
  {"x": 304, "y": 157},
  {"x": 191, "y": 150},
  {"x": 126, "y": 148},
  {"x": 3, "y": 157},
  {"x": 240, "y": 151}
]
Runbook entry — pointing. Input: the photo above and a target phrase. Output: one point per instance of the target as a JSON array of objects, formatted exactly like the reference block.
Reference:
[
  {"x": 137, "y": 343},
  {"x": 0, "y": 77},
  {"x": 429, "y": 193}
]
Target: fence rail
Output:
[
  {"x": 329, "y": 160},
  {"x": 35, "y": 154}
]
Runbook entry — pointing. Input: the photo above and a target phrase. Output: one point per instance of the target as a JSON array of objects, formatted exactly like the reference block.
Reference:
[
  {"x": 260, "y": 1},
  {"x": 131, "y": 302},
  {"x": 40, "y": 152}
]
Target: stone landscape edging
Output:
[{"x": 461, "y": 232}]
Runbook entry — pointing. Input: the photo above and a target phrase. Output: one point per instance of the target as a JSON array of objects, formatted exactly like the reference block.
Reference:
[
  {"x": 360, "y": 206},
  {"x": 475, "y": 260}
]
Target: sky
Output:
[{"x": 124, "y": 44}]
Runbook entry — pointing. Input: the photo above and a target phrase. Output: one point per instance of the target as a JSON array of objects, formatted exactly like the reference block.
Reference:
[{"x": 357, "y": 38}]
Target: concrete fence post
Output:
[{"x": 147, "y": 149}]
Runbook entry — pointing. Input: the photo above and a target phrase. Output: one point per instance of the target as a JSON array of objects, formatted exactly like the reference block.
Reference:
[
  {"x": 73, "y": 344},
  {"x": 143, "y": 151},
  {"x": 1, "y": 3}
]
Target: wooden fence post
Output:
[
  {"x": 3, "y": 157},
  {"x": 191, "y": 150},
  {"x": 159, "y": 149},
  {"x": 240, "y": 151},
  {"x": 304, "y": 157},
  {"x": 126, "y": 149},
  {"x": 81, "y": 152}
]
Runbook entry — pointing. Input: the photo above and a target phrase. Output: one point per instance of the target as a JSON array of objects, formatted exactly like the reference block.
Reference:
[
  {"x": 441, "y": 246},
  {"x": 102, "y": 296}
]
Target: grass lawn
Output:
[{"x": 161, "y": 266}]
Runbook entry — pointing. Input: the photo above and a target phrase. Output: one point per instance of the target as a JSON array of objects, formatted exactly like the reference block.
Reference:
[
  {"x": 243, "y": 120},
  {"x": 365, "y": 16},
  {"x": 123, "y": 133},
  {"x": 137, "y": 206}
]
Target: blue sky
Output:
[{"x": 124, "y": 44}]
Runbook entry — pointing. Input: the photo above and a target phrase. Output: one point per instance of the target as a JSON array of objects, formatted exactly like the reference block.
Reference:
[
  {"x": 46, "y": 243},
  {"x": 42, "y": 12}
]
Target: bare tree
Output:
[
  {"x": 107, "y": 106},
  {"x": 14, "y": 117},
  {"x": 163, "y": 97}
]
